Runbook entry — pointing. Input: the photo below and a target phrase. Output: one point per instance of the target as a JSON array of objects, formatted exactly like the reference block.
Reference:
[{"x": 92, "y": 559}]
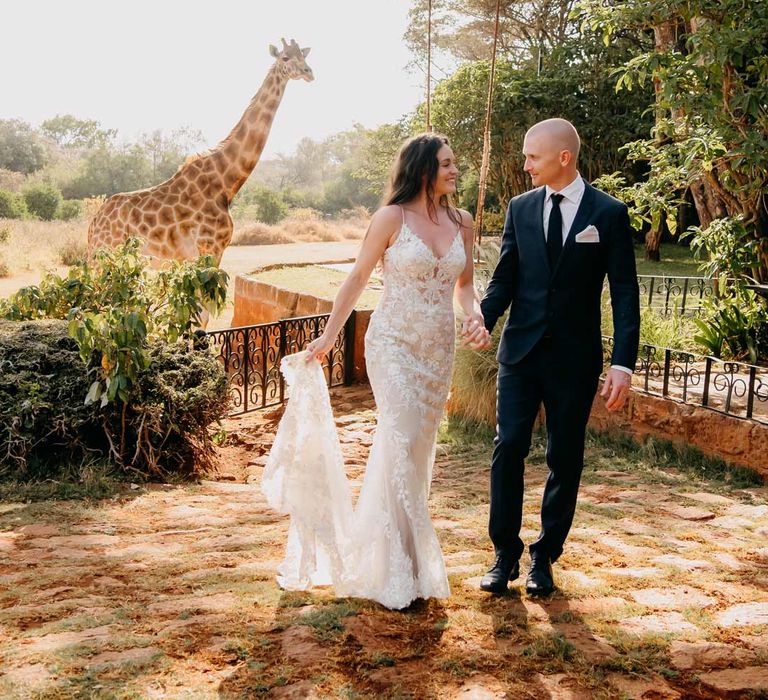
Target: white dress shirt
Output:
[{"x": 569, "y": 205}]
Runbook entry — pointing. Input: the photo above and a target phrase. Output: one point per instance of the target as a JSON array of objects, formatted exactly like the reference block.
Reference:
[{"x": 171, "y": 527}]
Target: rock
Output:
[
  {"x": 653, "y": 688},
  {"x": 143, "y": 655},
  {"x": 39, "y": 530},
  {"x": 683, "y": 563},
  {"x": 30, "y": 677},
  {"x": 60, "y": 640},
  {"x": 480, "y": 687},
  {"x": 677, "y": 598},
  {"x": 561, "y": 687},
  {"x": 215, "y": 603},
  {"x": 639, "y": 572},
  {"x": 300, "y": 645},
  {"x": 689, "y": 512},
  {"x": 731, "y": 522},
  {"x": 593, "y": 648},
  {"x": 737, "y": 682},
  {"x": 743, "y": 510},
  {"x": 670, "y": 622},
  {"x": 709, "y": 498},
  {"x": 744, "y": 615},
  {"x": 694, "y": 656},
  {"x": 374, "y": 634},
  {"x": 303, "y": 690}
]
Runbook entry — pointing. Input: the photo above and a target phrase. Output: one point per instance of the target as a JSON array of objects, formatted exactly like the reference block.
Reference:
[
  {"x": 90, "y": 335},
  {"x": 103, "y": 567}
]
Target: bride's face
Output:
[{"x": 447, "y": 172}]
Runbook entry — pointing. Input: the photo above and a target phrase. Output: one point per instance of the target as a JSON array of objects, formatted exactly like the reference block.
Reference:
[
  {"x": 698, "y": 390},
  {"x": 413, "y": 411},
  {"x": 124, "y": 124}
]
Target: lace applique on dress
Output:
[{"x": 386, "y": 549}]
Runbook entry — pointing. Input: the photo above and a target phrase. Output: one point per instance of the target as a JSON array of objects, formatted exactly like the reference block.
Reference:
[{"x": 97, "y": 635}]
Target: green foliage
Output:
[
  {"x": 116, "y": 305},
  {"x": 20, "y": 147},
  {"x": 711, "y": 79},
  {"x": 43, "y": 200},
  {"x": 734, "y": 320},
  {"x": 575, "y": 83},
  {"x": 271, "y": 208},
  {"x": 12, "y": 206},
  {"x": 48, "y": 432},
  {"x": 70, "y": 132},
  {"x": 69, "y": 209}
]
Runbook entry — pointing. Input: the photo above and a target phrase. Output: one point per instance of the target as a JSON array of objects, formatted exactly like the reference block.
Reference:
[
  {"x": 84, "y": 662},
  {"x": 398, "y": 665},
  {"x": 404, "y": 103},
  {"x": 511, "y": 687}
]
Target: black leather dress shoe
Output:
[
  {"x": 506, "y": 568},
  {"x": 539, "y": 581}
]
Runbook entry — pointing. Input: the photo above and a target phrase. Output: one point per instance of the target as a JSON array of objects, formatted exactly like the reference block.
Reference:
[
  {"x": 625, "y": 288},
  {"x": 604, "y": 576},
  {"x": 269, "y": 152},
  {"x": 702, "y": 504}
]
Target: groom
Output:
[{"x": 560, "y": 240}]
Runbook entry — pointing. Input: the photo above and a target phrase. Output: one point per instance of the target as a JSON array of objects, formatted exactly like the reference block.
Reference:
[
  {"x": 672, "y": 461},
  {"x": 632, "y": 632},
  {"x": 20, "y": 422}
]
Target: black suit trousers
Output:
[{"x": 544, "y": 376}]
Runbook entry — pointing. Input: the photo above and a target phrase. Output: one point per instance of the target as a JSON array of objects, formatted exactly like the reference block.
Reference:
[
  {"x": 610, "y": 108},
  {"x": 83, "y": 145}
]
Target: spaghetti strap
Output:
[{"x": 402, "y": 211}]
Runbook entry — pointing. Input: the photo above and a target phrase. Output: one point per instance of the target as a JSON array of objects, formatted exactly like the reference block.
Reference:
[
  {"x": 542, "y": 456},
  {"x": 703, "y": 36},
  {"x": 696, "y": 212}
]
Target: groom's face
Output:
[{"x": 543, "y": 160}]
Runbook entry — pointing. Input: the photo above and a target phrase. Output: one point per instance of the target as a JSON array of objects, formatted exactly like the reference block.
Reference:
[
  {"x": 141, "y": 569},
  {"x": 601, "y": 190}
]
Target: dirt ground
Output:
[{"x": 168, "y": 591}]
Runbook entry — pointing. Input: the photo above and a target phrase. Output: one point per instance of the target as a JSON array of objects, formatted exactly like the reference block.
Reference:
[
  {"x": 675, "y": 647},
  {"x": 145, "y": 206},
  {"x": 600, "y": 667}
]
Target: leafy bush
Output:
[
  {"x": 69, "y": 209},
  {"x": 734, "y": 320},
  {"x": 43, "y": 200},
  {"x": 122, "y": 317},
  {"x": 12, "y": 206},
  {"x": 46, "y": 429}
]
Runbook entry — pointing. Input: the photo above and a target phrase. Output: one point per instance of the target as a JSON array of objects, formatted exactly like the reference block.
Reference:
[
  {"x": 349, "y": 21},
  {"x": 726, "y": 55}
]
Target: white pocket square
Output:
[{"x": 588, "y": 235}]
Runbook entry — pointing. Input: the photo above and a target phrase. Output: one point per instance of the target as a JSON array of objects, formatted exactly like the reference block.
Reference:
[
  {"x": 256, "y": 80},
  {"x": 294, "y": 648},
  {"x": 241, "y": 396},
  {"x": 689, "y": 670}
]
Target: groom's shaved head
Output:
[{"x": 560, "y": 132}]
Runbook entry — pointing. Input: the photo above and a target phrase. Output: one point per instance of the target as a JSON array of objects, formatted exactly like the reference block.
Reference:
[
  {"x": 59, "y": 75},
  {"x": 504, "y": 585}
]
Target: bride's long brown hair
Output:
[{"x": 415, "y": 167}]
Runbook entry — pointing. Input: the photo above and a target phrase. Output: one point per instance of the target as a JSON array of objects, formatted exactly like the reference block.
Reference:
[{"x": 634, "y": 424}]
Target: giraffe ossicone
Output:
[{"x": 187, "y": 215}]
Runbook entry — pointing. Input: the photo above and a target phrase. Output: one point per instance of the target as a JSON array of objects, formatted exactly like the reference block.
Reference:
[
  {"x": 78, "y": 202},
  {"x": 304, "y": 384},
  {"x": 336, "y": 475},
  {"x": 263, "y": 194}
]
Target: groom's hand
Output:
[
  {"x": 474, "y": 333},
  {"x": 616, "y": 389}
]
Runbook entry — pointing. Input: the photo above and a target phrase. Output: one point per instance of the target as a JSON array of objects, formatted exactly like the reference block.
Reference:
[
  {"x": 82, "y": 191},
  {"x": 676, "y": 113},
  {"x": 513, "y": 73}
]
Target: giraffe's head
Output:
[{"x": 293, "y": 59}]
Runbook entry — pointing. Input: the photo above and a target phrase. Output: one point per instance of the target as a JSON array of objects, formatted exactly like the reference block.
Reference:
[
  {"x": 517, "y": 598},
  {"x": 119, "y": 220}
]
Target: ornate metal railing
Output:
[
  {"x": 682, "y": 295},
  {"x": 734, "y": 388},
  {"x": 251, "y": 356}
]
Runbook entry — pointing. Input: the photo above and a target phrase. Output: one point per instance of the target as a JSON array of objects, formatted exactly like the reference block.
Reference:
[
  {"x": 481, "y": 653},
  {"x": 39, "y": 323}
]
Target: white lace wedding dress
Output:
[{"x": 386, "y": 548}]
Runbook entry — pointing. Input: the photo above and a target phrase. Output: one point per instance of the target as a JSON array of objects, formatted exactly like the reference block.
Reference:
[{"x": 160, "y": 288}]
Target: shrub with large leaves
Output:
[{"x": 137, "y": 380}]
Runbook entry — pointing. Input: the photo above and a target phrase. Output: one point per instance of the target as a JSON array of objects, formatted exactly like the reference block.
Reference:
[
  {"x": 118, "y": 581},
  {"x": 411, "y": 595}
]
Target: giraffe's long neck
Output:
[{"x": 236, "y": 156}]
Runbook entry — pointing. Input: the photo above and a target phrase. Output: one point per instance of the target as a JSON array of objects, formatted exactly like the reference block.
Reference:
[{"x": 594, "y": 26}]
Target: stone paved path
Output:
[{"x": 169, "y": 592}]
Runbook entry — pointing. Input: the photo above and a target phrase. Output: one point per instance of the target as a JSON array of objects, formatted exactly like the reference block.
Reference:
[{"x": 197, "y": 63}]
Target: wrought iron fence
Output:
[
  {"x": 251, "y": 356},
  {"x": 681, "y": 295},
  {"x": 734, "y": 388}
]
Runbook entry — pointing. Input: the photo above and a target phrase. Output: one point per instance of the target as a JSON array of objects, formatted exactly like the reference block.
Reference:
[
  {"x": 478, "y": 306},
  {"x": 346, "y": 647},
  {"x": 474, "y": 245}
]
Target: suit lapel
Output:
[{"x": 580, "y": 222}]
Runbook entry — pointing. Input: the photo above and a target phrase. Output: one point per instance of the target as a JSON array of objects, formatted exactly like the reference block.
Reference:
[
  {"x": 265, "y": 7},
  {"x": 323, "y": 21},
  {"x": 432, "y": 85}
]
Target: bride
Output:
[{"x": 386, "y": 548}]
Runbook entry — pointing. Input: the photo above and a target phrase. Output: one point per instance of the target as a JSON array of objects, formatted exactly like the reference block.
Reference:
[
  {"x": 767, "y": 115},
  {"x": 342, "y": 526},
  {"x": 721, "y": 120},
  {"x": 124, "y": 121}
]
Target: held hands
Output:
[
  {"x": 474, "y": 334},
  {"x": 616, "y": 389},
  {"x": 319, "y": 348}
]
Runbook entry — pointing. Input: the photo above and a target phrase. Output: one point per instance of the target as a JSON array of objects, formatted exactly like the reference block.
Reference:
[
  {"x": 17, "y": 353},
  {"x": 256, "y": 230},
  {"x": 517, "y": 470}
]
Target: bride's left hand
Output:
[{"x": 474, "y": 334}]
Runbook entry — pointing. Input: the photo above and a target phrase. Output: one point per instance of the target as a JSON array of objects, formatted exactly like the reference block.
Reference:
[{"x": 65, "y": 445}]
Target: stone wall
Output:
[
  {"x": 259, "y": 302},
  {"x": 735, "y": 440}
]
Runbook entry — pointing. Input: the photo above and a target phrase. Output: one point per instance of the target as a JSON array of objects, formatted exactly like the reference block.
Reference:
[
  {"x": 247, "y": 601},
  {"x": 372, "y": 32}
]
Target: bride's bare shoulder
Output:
[{"x": 390, "y": 214}]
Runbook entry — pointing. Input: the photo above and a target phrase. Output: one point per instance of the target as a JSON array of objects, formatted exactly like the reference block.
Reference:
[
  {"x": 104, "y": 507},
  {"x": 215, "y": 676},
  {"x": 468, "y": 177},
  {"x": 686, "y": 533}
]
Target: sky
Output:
[{"x": 164, "y": 64}]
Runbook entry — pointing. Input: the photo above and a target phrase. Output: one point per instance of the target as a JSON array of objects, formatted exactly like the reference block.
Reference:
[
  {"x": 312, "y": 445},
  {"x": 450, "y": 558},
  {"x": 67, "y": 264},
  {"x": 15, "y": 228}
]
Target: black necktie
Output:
[{"x": 555, "y": 231}]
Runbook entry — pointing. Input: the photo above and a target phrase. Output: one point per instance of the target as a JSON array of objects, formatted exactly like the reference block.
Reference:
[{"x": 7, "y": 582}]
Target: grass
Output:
[
  {"x": 319, "y": 282},
  {"x": 676, "y": 261}
]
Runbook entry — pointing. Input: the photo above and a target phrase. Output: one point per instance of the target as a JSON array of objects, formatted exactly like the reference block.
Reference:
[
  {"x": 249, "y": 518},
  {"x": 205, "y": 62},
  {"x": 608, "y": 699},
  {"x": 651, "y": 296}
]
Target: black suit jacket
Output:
[{"x": 564, "y": 303}]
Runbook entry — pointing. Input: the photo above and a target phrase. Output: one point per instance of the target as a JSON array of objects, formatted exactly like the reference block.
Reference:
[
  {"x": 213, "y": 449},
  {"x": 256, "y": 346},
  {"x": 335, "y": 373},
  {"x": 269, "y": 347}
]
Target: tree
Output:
[
  {"x": 106, "y": 170},
  {"x": 20, "y": 147},
  {"x": 43, "y": 200},
  {"x": 167, "y": 152},
  {"x": 710, "y": 76},
  {"x": 67, "y": 131},
  {"x": 575, "y": 83}
]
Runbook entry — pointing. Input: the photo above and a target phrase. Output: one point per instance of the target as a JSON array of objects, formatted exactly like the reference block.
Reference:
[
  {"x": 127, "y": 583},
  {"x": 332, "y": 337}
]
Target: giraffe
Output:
[{"x": 188, "y": 214}]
